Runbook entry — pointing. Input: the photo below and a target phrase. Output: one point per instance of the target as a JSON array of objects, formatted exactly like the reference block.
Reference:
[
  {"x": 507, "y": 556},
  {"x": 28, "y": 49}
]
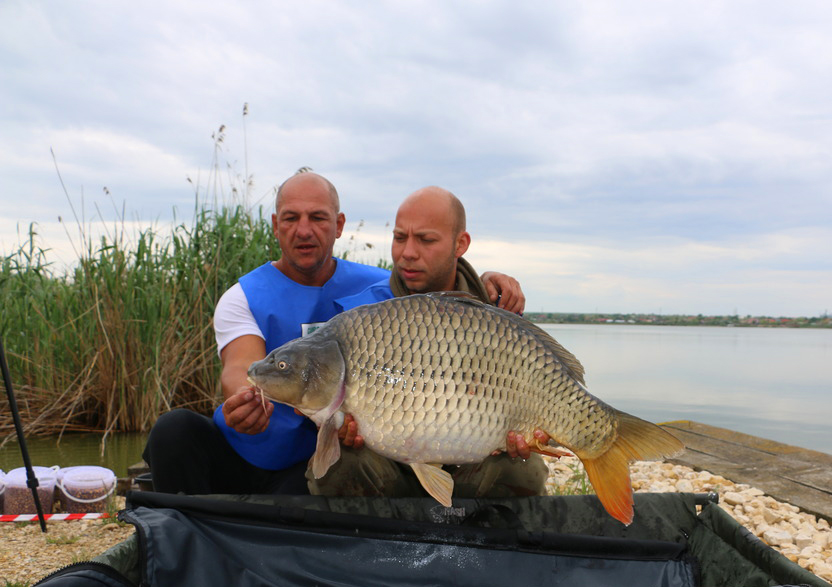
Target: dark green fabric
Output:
[
  {"x": 728, "y": 555},
  {"x": 123, "y": 557},
  {"x": 658, "y": 516},
  {"x": 738, "y": 558},
  {"x": 295, "y": 541},
  {"x": 247, "y": 545},
  {"x": 85, "y": 574}
]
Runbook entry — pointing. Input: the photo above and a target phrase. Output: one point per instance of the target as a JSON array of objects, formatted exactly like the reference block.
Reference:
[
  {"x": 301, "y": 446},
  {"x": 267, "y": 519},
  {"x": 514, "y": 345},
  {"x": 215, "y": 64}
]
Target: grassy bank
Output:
[{"x": 125, "y": 333}]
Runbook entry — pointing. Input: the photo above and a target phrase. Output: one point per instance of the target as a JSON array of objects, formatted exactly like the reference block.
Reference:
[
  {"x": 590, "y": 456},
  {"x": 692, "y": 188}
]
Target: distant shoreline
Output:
[{"x": 824, "y": 321}]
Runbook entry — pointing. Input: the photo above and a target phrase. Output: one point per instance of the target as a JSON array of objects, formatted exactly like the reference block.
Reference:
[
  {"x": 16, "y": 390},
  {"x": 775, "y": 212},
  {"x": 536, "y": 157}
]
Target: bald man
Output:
[{"x": 429, "y": 239}]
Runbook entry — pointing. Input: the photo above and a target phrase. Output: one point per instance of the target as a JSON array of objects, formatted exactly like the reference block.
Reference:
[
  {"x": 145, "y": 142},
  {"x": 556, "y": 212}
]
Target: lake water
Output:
[
  {"x": 775, "y": 383},
  {"x": 770, "y": 382},
  {"x": 119, "y": 452}
]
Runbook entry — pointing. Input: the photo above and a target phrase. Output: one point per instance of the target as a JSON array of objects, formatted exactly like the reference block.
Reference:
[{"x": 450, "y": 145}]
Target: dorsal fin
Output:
[{"x": 569, "y": 360}]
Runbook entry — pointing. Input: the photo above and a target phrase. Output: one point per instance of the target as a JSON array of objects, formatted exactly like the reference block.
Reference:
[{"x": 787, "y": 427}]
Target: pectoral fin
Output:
[
  {"x": 328, "y": 449},
  {"x": 436, "y": 481}
]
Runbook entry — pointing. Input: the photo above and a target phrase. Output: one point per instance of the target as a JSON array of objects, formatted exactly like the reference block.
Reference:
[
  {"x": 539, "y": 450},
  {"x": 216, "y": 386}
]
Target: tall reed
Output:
[{"x": 126, "y": 333}]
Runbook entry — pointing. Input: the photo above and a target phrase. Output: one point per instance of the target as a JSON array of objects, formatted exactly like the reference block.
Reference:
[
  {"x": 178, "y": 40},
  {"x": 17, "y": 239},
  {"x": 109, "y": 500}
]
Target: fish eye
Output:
[{"x": 282, "y": 365}]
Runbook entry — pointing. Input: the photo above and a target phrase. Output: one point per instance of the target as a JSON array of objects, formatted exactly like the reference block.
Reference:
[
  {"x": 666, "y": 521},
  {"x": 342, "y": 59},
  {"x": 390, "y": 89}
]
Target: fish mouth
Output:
[{"x": 258, "y": 391}]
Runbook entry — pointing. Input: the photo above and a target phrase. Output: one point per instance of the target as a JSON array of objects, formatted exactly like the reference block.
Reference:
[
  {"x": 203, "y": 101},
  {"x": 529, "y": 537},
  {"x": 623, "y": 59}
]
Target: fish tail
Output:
[{"x": 638, "y": 440}]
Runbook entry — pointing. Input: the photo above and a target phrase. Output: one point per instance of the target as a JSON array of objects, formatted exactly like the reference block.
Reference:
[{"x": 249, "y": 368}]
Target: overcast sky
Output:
[{"x": 670, "y": 157}]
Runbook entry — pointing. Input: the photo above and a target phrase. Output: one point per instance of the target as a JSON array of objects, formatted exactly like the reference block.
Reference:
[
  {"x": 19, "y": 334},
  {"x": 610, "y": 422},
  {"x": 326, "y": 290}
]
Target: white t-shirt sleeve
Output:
[{"x": 233, "y": 317}]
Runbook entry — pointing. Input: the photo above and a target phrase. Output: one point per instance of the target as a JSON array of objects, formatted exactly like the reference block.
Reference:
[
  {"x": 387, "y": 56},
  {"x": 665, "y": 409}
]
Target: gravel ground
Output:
[{"x": 27, "y": 555}]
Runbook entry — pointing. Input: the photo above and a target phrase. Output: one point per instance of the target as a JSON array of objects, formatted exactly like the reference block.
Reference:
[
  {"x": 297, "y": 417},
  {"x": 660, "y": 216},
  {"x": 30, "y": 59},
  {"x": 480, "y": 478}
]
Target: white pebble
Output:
[
  {"x": 772, "y": 516},
  {"x": 776, "y": 537},
  {"x": 802, "y": 540},
  {"x": 684, "y": 486},
  {"x": 734, "y": 498},
  {"x": 753, "y": 492}
]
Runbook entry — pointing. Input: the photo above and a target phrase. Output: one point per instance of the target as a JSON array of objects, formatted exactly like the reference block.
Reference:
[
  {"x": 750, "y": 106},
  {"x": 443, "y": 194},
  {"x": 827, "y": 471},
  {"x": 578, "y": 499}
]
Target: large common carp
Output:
[{"x": 440, "y": 379}]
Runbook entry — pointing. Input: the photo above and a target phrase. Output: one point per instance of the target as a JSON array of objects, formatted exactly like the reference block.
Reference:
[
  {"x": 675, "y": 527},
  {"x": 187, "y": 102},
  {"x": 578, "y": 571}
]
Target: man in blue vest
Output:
[{"x": 252, "y": 445}]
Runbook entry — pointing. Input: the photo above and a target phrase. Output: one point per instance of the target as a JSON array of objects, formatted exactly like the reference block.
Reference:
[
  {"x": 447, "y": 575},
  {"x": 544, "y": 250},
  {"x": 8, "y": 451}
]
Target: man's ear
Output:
[
  {"x": 339, "y": 224},
  {"x": 462, "y": 243},
  {"x": 274, "y": 225}
]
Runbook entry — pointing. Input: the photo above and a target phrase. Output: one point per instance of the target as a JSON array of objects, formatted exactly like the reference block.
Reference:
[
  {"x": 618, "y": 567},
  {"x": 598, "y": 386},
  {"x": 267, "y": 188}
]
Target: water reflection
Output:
[{"x": 772, "y": 383}]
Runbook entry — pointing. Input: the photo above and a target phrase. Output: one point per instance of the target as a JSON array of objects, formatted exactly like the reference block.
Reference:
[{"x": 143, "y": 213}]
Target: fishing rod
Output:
[{"x": 31, "y": 478}]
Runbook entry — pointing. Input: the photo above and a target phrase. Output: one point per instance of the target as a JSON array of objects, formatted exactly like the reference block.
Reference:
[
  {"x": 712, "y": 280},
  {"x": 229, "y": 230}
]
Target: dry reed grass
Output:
[{"x": 125, "y": 333}]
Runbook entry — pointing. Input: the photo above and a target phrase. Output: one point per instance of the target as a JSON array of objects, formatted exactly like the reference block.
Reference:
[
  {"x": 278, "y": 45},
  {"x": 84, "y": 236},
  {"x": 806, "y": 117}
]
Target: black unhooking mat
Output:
[{"x": 292, "y": 540}]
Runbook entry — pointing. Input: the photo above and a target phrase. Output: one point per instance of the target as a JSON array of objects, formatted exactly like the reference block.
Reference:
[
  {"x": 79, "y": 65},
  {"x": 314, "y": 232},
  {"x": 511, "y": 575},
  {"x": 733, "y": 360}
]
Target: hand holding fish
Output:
[
  {"x": 246, "y": 412},
  {"x": 506, "y": 289},
  {"x": 516, "y": 445},
  {"x": 348, "y": 433}
]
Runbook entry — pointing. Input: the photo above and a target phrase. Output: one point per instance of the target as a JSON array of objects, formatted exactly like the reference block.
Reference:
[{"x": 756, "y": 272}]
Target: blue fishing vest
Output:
[
  {"x": 377, "y": 292},
  {"x": 285, "y": 310}
]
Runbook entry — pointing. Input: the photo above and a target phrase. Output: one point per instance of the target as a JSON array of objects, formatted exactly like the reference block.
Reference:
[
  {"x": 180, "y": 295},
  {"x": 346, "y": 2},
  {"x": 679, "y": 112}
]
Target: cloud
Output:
[
  {"x": 755, "y": 276},
  {"x": 88, "y": 160},
  {"x": 617, "y": 134}
]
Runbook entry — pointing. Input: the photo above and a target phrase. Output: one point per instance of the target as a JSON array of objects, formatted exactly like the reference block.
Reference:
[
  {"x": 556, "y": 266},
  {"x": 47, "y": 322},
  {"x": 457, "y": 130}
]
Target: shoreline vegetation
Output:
[
  {"x": 748, "y": 321},
  {"x": 124, "y": 334}
]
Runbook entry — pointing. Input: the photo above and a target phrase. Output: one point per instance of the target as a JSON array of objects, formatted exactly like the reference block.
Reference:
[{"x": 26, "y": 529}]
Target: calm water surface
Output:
[
  {"x": 770, "y": 382},
  {"x": 120, "y": 451},
  {"x": 773, "y": 383}
]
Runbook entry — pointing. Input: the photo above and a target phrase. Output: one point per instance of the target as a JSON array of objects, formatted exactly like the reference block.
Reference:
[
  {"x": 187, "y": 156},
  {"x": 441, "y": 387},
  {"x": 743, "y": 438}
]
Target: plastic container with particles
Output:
[
  {"x": 86, "y": 490},
  {"x": 18, "y": 497},
  {"x": 60, "y": 498}
]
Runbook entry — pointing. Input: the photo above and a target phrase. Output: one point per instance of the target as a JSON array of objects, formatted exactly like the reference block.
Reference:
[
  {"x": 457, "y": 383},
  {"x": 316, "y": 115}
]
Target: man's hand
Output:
[
  {"x": 507, "y": 289},
  {"x": 244, "y": 407},
  {"x": 244, "y": 411},
  {"x": 516, "y": 445},
  {"x": 348, "y": 433}
]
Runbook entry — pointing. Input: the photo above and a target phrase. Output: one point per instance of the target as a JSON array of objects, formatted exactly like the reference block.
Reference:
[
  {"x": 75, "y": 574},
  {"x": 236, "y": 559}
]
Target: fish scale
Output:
[
  {"x": 441, "y": 379},
  {"x": 443, "y": 339}
]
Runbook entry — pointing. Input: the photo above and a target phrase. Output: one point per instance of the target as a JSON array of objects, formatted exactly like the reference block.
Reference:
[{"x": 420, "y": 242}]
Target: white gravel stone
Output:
[
  {"x": 753, "y": 492},
  {"x": 734, "y": 498},
  {"x": 802, "y": 540},
  {"x": 684, "y": 486},
  {"x": 775, "y": 537},
  {"x": 810, "y": 551},
  {"x": 772, "y": 516}
]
